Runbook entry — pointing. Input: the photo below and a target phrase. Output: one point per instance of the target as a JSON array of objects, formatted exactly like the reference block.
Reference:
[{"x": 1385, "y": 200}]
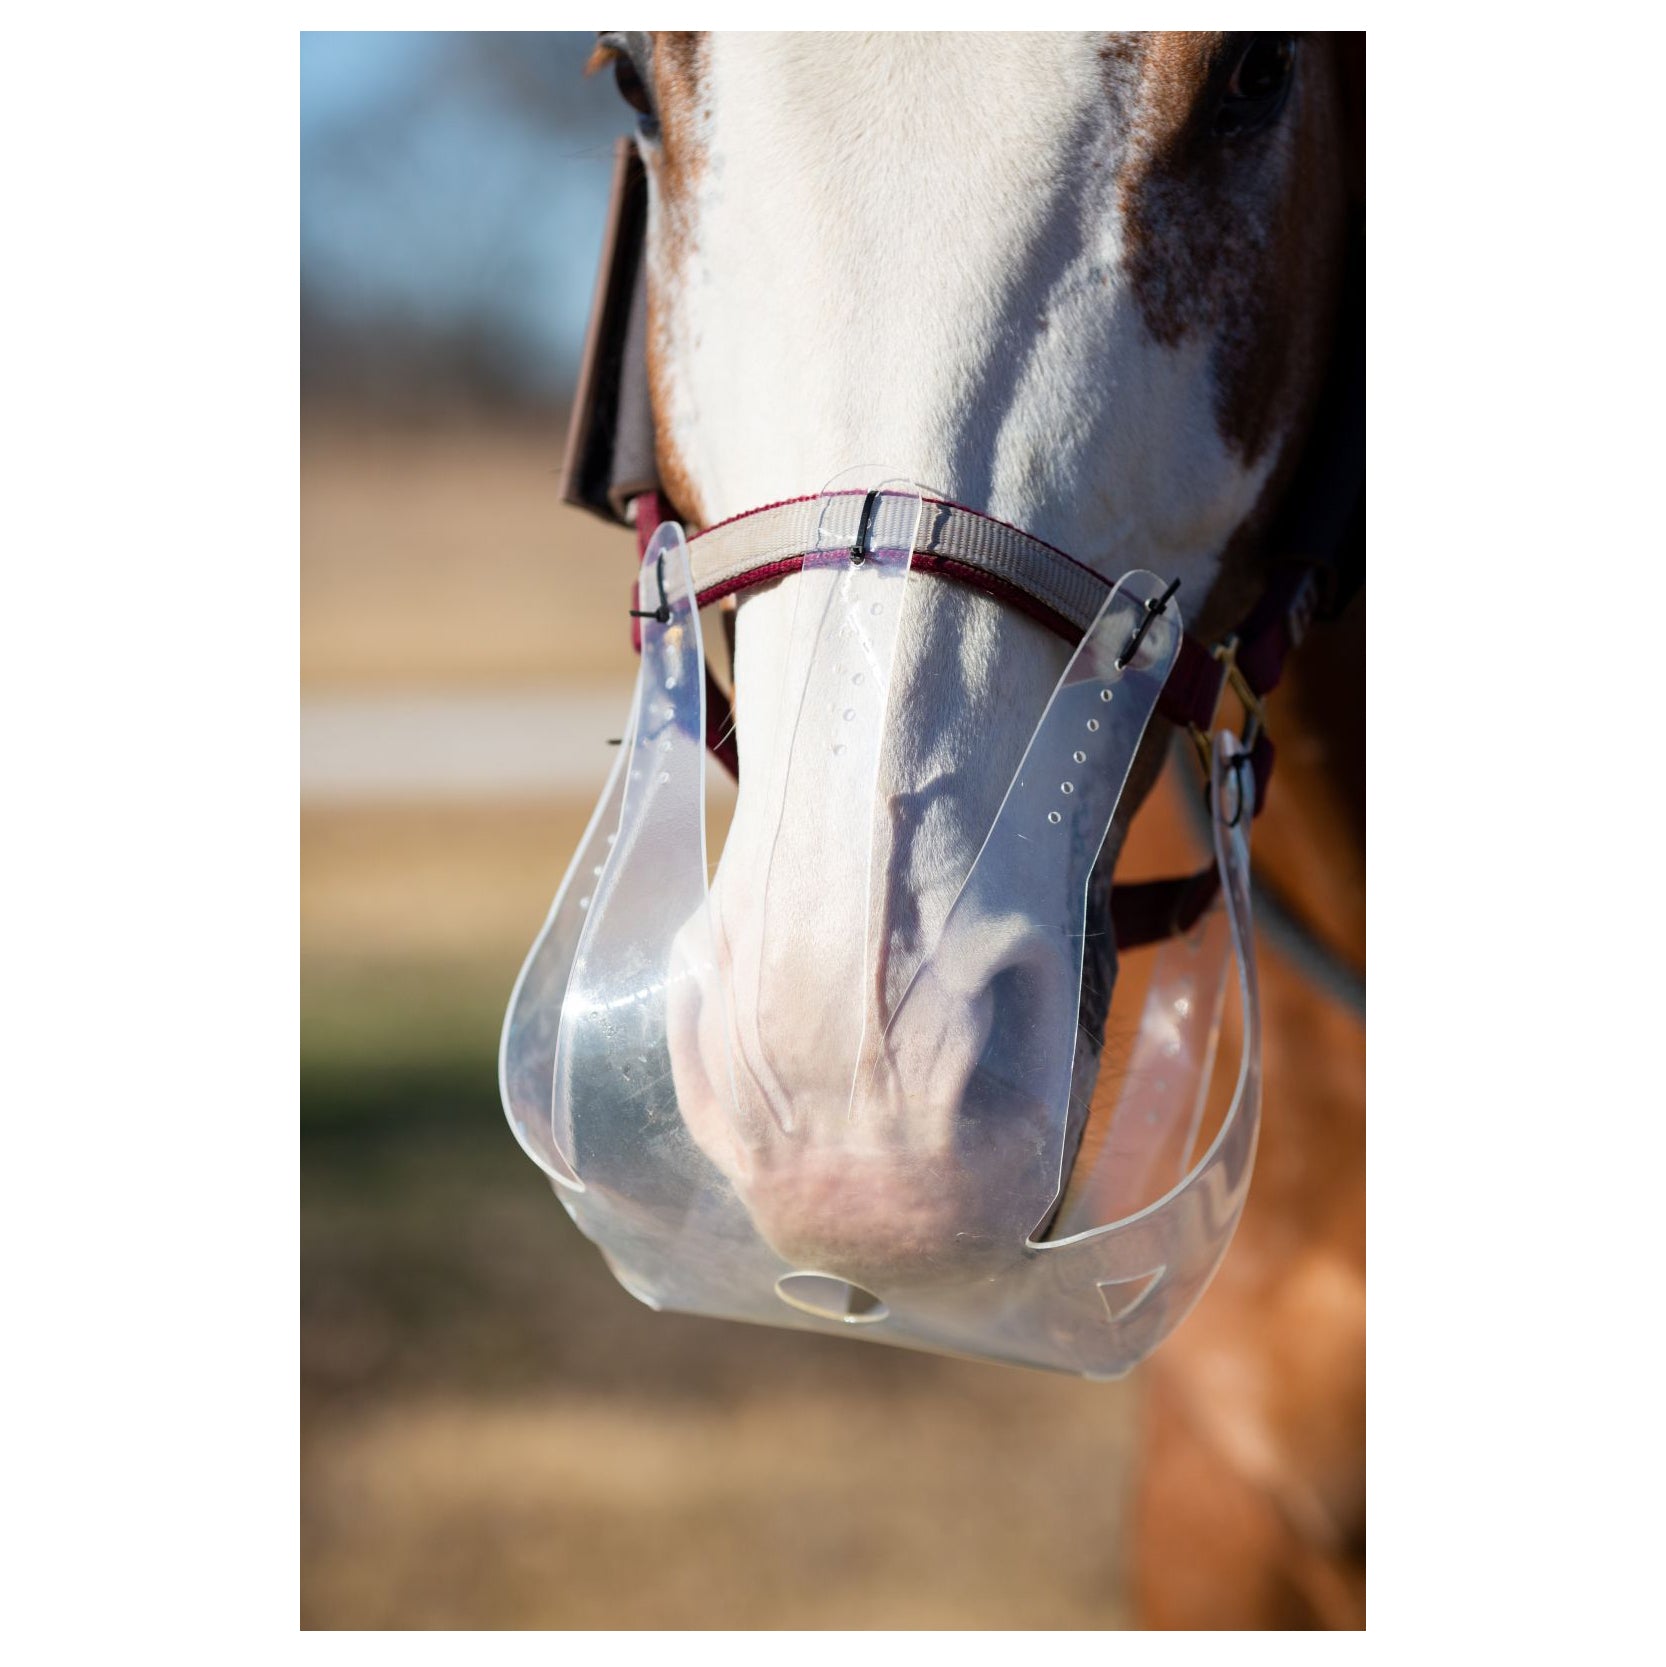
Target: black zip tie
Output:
[
  {"x": 859, "y": 550},
  {"x": 663, "y": 612},
  {"x": 1152, "y": 609}
]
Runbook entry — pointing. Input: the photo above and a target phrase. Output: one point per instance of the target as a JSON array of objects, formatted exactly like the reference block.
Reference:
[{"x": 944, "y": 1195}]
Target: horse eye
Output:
[
  {"x": 1255, "y": 92},
  {"x": 630, "y": 86}
]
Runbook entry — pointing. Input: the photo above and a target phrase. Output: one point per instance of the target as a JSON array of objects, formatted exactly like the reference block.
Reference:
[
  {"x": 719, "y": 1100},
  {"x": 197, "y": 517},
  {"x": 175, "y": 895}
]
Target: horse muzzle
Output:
[{"x": 916, "y": 1186}]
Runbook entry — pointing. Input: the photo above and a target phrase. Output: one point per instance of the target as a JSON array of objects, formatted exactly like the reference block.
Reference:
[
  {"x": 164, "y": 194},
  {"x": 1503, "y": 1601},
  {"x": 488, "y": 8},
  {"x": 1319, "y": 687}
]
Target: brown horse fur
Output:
[{"x": 1250, "y": 1505}]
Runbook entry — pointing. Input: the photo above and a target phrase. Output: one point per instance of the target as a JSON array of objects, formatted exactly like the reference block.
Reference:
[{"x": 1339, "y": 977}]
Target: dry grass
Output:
[
  {"x": 447, "y": 559},
  {"x": 453, "y": 881},
  {"x": 798, "y": 1511}
]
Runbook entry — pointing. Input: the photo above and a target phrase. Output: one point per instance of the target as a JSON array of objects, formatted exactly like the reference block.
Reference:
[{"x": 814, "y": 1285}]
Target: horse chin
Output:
[
  {"x": 887, "y": 1221},
  {"x": 903, "y": 1195}
]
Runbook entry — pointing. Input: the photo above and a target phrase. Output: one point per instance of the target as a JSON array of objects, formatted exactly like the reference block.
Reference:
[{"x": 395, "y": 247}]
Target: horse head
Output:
[{"x": 1085, "y": 284}]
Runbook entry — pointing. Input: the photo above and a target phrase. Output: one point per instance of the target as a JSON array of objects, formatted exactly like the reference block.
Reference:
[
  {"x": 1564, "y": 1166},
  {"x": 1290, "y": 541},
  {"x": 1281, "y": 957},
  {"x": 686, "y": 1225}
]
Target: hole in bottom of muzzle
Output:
[{"x": 830, "y": 1298}]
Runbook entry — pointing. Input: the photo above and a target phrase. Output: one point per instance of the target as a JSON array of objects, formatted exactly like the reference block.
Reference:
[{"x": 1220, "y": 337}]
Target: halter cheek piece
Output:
[{"x": 1317, "y": 538}]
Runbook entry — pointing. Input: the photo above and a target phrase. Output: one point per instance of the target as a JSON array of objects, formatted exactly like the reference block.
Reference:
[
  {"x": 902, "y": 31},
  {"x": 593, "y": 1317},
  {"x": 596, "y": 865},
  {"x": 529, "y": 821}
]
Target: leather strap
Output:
[
  {"x": 764, "y": 543},
  {"x": 956, "y": 542},
  {"x": 610, "y": 432},
  {"x": 1028, "y": 573},
  {"x": 960, "y": 543}
]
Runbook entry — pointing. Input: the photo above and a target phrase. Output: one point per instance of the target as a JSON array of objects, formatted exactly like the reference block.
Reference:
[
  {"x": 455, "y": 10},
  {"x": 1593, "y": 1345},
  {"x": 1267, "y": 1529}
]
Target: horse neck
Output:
[{"x": 1310, "y": 843}]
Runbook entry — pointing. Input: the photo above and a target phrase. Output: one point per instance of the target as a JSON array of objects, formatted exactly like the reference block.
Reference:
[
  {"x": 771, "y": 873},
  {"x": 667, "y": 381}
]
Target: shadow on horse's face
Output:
[{"x": 1082, "y": 283}]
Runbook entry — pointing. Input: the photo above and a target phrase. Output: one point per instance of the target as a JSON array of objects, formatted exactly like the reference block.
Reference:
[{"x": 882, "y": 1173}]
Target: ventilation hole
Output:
[
  {"x": 829, "y": 1298},
  {"x": 857, "y": 678},
  {"x": 664, "y": 776},
  {"x": 1093, "y": 723},
  {"x": 1080, "y": 757},
  {"x": 1104, "y": 694},
  {"x": 1067, "y": 787},
  {"x": 850, "y": 712},
  {"x": 1054, "y": 817},
  {"x": 838, "y": 747},
  {"x": 876, "y": 610}
]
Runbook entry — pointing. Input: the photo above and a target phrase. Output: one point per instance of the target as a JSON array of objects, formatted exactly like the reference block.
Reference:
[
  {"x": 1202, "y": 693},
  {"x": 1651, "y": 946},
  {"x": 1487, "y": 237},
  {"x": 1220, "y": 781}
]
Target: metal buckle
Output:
[{"x": 1255, "y": 711}]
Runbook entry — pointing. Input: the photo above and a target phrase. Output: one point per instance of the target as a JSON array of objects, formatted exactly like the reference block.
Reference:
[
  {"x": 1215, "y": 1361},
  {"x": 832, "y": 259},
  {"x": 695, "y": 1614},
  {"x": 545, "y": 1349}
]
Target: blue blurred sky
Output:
[{"x": 454, "y": 185}]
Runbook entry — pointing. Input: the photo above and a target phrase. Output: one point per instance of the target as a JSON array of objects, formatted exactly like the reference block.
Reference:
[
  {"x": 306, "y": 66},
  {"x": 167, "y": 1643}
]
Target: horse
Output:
[{"x": 1090, "y": 285}]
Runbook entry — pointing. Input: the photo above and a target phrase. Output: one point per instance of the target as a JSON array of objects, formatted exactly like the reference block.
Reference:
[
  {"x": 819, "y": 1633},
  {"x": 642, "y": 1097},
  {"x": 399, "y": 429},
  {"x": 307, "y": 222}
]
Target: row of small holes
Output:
[
  {"x": 849, "y": 712},
  {"x": 1081, "y": 758}
]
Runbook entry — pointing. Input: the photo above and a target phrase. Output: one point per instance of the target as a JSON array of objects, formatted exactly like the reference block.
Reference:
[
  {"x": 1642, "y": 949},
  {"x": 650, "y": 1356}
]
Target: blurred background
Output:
[{"x": 494, "y": 1433}]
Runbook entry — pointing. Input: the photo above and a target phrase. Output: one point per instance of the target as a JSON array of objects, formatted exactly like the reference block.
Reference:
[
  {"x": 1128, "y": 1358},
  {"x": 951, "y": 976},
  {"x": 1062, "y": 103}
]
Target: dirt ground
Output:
[{"x": 494, "y": 1433}]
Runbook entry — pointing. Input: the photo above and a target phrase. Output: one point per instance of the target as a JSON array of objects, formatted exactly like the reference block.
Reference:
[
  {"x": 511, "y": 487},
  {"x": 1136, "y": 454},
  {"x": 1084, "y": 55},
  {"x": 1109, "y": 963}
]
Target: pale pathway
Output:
[{"x": 523, "y": 744}]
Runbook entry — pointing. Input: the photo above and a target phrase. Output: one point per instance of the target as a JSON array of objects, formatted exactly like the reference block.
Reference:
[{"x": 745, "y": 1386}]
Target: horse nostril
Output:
[{"x": 1024, "y": 987}]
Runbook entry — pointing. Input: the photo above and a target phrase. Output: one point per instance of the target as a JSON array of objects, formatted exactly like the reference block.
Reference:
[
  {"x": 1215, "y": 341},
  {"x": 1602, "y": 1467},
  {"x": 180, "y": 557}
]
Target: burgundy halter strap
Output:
[{"x": 975, "y": 549}]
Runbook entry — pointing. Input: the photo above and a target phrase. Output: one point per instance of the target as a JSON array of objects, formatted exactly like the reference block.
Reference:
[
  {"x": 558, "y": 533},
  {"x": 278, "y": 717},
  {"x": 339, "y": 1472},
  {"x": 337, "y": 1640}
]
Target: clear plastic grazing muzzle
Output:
[{"x": 908, "y": 1188}]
